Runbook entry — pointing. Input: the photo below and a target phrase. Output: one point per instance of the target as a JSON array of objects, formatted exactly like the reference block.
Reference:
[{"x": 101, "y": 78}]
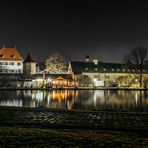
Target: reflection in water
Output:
[{"x": 120, "y": 100}]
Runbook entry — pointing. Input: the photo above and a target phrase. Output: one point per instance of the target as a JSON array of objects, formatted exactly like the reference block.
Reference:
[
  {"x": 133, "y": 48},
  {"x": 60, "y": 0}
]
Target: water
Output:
[{"x": 116, "y": 100}]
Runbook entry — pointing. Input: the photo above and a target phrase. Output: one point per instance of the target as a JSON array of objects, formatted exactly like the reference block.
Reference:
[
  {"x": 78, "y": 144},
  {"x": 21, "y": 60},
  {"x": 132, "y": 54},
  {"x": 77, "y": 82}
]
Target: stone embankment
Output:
[{"x": 73, "y": 119}]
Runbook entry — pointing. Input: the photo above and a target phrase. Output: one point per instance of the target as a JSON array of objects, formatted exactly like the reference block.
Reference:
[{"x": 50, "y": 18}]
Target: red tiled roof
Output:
[{"x": 11, "y": 54}]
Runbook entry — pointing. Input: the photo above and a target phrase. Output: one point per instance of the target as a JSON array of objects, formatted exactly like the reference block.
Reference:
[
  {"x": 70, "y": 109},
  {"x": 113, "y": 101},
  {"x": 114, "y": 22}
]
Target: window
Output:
[
  {"x": 6, "y": 63},
  {"x": 12, "y": 56},
  {"x": 96, "y": 69},
  {"x": 12, "y": 70},
  {"x": 96, "y": 76},
  {"x": 113, "y": 69},
  {"x": 118, "y": 69},
  {"x": 18, "y": 63},
  {"x": 104, "y": 69},
  {"x": 11, "y": 63},
  {"x": 107, "y": 77},
  {"x": 86, "y": 68},
  {"x": 123, "y": 70}
]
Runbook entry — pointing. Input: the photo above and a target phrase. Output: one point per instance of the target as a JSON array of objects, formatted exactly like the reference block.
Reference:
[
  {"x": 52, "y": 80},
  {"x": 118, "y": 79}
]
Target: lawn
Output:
[{"x": 35, "y": 137}]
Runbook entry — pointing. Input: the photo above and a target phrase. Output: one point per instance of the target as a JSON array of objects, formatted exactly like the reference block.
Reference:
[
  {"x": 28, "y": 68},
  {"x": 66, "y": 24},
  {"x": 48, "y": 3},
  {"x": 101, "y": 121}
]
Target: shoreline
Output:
[{"x": 75, "y": 88}]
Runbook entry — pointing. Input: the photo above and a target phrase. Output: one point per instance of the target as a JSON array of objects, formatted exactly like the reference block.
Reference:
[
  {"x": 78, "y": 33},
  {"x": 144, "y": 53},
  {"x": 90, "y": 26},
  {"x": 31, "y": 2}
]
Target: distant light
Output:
[
  {"x": 49, "y": 80},
  {"x": 39, "y": 80},
  {"x": 95, "y": 80}
]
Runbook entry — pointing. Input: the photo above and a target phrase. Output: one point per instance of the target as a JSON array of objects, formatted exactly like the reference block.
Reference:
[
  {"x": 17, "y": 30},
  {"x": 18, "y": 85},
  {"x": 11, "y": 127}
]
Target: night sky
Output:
[{"x": 103, "y": 29}]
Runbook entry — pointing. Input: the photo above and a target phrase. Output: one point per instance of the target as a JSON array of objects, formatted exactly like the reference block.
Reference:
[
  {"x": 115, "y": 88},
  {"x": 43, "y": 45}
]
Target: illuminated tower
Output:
[{"x": 29, "y": 66}]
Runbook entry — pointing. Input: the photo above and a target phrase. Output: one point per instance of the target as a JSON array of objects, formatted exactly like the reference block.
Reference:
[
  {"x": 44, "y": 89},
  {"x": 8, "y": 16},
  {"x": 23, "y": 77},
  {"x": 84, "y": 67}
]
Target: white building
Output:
[{"x": 11, "y": 61}]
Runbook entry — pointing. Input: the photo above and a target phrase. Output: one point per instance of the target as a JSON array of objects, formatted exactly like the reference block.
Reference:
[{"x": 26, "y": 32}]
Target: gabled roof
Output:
[
  {"x": 90, "y": 67},
  {"x": 10, "y": 54},
  {"x": 29, "y": 59}
]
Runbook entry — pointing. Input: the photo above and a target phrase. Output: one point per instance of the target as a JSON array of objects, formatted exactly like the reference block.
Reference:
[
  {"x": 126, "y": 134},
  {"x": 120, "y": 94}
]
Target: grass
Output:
[{"x": 34, "y": 137}]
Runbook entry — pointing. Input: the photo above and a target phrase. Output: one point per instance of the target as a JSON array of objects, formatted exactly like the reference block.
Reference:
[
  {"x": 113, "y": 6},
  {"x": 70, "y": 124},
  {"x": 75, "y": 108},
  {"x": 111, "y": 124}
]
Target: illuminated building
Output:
[
  {"x": 103, "y": 74},
  {"x": 11, "y": 61}
]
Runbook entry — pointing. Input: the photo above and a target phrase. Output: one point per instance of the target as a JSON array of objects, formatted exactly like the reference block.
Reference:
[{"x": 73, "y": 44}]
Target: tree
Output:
[
  {"x": 56, "y": 63},
  {"x": 136, "y": 61},
  {"x": 84, "y": 80},
  {"x": 40, "y": 67}
]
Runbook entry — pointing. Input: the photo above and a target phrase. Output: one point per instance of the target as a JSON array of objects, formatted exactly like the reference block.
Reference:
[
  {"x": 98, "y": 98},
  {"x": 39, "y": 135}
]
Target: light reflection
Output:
[
  {"x": 17, "y": 103},
  {"x": 136, "y": 98},
  {"x": 78, "y": 99}
]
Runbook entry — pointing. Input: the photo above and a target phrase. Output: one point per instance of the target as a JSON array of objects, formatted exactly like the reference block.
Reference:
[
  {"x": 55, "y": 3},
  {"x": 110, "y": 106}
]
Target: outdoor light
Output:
[
  {"x": 48, "y": 80},
  {"x": 95, "y": 80},
  {"x": 39, "y": 80}
]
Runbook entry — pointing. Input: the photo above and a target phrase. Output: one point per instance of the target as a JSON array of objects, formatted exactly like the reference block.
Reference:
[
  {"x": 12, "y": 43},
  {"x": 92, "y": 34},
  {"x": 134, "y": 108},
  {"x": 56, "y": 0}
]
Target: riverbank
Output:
[
  {"x": 73, "y": 88},
  {"x": 23, "y": 127}
]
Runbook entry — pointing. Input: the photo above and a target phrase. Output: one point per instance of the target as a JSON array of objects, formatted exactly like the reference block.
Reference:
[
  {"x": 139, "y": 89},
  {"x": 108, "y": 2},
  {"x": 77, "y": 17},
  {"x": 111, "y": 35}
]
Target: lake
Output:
[{"x": 115, "y": 100}]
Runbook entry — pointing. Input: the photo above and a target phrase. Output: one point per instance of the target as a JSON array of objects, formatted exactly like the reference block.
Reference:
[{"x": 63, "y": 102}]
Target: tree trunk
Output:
[{"x": 140, "y": 79}]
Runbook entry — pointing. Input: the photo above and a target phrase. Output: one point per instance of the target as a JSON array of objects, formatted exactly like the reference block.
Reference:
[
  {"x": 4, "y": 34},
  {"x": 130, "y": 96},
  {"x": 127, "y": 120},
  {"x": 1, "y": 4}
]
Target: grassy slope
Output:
[{"x": 34, "y": 137}]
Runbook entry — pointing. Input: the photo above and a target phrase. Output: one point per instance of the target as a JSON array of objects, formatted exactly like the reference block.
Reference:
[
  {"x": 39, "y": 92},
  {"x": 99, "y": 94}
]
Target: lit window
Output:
[
  {"x": 128, "y": 70},
  {"x": 123, "y": 70},
  {"x": 118, "y": 69},
  {"x": 86, "y": 68},
  {"x": 104, "y": 69},
  {"x": 113, "y": 69},
  {"x": 96, "y": 69}
]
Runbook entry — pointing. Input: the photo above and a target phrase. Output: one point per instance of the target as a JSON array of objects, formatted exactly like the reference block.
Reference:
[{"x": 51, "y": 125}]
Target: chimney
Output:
[
  {"x": 87, "y": 58},
  {"x": 95, "y": 61}
]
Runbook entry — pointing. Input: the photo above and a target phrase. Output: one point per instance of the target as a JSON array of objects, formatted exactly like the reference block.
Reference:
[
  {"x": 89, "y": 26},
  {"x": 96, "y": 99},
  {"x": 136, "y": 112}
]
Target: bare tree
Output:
[
  {"x": 56, "y": 63},
  {"x": 40, "y": 67},
  {"x": 84, "y": 80},
  {"x": 136, "y": 61}
]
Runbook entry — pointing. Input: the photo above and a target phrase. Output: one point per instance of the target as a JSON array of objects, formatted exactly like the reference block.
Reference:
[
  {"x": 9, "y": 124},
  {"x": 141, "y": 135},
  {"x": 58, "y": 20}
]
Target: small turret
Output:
[{"x": 29, "y": 66}]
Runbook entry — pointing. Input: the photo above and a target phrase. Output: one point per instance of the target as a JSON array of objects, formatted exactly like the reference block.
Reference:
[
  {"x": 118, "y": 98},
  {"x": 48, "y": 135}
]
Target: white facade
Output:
[
  {"x": 15, "y": 67},
  {"x": 11, "y": 61}
]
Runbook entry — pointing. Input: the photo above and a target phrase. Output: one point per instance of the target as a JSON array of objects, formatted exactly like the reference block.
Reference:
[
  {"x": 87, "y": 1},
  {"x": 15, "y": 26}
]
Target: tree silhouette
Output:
[{"x": 136, "y": 61}]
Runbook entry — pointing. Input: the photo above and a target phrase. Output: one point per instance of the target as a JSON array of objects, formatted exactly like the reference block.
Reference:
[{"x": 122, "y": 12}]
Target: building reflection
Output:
[{"x": 120, "y": 100}]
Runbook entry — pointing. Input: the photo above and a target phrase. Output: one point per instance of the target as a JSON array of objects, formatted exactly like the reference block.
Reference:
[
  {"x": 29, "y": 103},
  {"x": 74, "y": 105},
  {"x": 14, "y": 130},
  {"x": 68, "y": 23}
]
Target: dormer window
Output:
[
  {"x": 12, "y": 56},
  {"x": 1, "y": 56}
]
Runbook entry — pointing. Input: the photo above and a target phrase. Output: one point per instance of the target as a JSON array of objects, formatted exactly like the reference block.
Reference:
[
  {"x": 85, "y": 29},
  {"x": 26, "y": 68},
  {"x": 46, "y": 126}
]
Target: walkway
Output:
[{"x": 73, "y": 119}]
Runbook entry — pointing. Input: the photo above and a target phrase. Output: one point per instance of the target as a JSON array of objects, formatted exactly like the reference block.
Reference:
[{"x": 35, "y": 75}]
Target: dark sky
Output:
[{"x": 103, "y": 29}]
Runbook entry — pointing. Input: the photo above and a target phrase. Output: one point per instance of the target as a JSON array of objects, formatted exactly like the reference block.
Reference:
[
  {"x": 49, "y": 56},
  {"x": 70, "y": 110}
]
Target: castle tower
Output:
[{"x": 29, "y": 66}]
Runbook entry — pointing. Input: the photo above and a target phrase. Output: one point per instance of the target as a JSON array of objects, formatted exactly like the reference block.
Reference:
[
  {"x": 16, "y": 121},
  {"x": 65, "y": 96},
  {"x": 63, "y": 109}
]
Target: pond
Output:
[{"x": 114, "y": 100}]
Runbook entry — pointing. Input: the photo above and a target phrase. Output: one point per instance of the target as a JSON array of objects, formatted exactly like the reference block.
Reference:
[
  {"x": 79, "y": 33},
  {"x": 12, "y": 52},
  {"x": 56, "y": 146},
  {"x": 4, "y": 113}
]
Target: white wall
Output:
[{"x": 7, "y": 67}]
